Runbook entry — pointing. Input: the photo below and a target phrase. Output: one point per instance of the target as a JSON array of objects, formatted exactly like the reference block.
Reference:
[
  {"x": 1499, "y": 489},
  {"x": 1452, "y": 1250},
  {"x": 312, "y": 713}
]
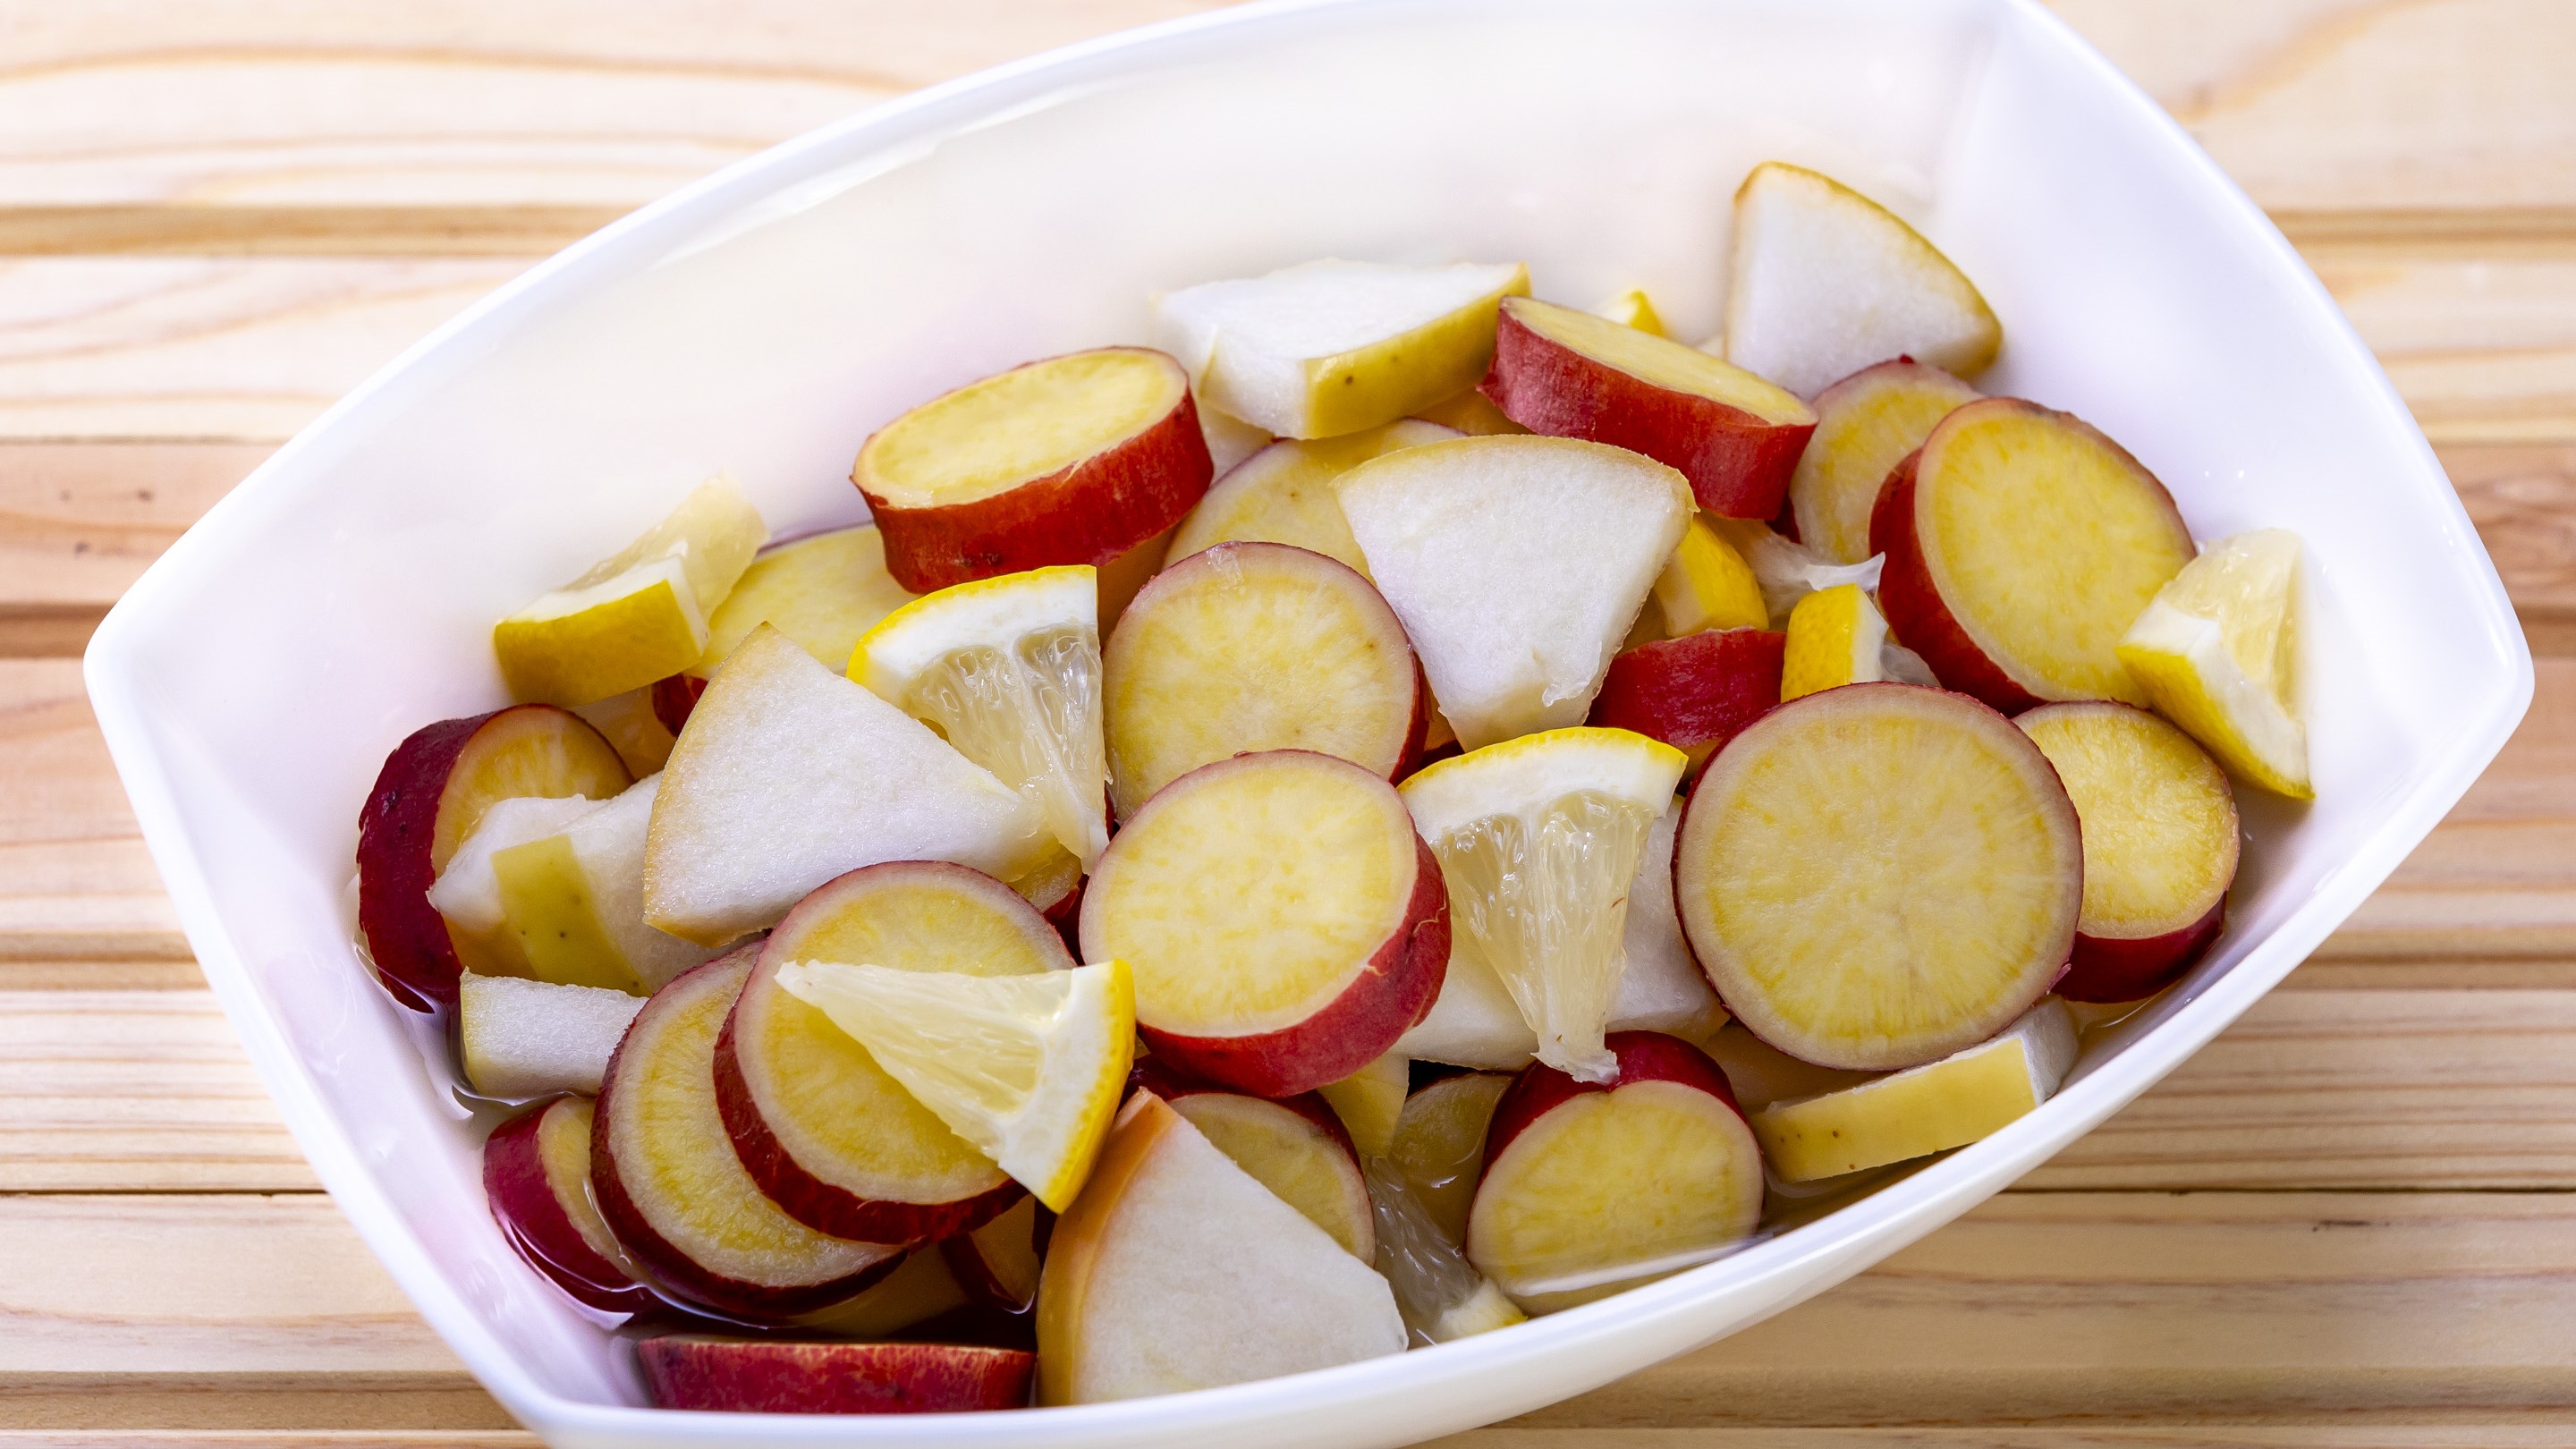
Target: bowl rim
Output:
[{"x": 121, "y": 697}]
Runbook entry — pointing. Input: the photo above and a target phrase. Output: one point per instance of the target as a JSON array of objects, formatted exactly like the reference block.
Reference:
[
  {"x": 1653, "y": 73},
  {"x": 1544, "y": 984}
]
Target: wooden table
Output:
[{"x": 2346, "y": 1223}]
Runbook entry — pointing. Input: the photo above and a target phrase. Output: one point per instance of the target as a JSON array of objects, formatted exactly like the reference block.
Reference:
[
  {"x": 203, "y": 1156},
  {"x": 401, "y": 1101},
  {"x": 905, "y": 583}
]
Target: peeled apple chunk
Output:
[
  {"x": 823, "y": 1127},
  {"x": 789, "y": 775},
  {"x": 575, "y": 900},
  {"x": 1826, "y": 281},
  {"x": 780, "y": 1376},
  {"x": 1008, "y": 670},
  {"x": 428, "y": 800},
  {"x": 1071, "y": 460},
  {"x": 468, "y": 891},
  {"x": 1570, "y": 374},
  {"x": 635, "y": 617},
  {"x": 1294, "y": 1146},
  {"x": 1284, "y": 494},
  {"x": 1332, "y": 347},
  {"x": 1835, "y": 637},
  {"x": 1539, "y": 839},
  {"x": 1865, "y": 425},
  {"x": 526, "y": 1039},
  {"x": 1178, "y": 1270},
  {"x": 1517, "y": 565},
  {"x": 2214, "y": 652},
  {"x": 536, "y": 1176},
  {"x": 823, "y": 591},
  {"x": 1284, "y": 921},
  {"x": 1476, "y": 1023},
  {"x": 1590, "y": 1187},
  {"x": 2160, "y": 845},
  {"x": 1957, "y": 1100},
  {"x": 2020, "y": 546},
  {"x": 674, "y": 1192},
  {"x": 1877, "y": 876},
  {"x": 1027, "y": 1068},
  {"x": 1257, "y": 646}
]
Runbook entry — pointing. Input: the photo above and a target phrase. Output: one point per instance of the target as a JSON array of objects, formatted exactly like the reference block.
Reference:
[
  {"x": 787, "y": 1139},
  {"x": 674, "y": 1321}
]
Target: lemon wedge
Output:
[
  {"x": 2213, "y": 652},
  {"x": 1836, "y": 637},
  {"x": 1538, "y": 839},
  {"x": 637, "y": 616},
  {"x": 1708, "y": 585},
  {"x": 1008, "y": 669},
  {"x": 1631, "y": 309},
  {"x": 1027, "y": 1068}
]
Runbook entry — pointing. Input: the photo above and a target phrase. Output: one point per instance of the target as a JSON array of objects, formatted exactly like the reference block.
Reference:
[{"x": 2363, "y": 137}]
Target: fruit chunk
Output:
[
  {"x": 1538, "y": 839},
  {"x": 1008, "y": 671},
  {"x": 823, "y": 591},
  {"x": 1284, "y": 494},
  {"x": 1592, "y": 1187},
  {"x": 1695, "y": 692},
  {"x": 1706, "y": 584},
  {"x": 1331, "y": 347},
  {"x": 639, "y": 615},
  {"x": 1631, "y": 309},
  {"x": 1295, "y": 1147},
  {"x": 523, "y": 1039},
  {"x": 1826, "y": 281},
  {"x": 1177, "y": 1270},
  {"x": 468, "y": 892},
  {"x": 1369, "y": 1100},
  {"x": 1865, "y": 425},
  {"x": 1931, "y": 1108},
  {"x": 921, "y": 1288},
  {"x": 780, "y": 1376},
  {"x": 1475, "y": 1023},
  {"x": 1441, "y": 1295},
  {"x": 634, "y": 728},
  {"x": 1230, "y": 440},
  {"x": 1440, "y": 1145},
  {"x": 1517, "y": 565},
  {"x": 1877, "y": 876},
  {"x": 2160, "y": 845},
  {"x": 1570, "y": 374},
  {"x": 1284, "y": 921},
  {"x": 429, "y": 797},
  {"x": 575, "y": 900},
  {"x": 998, "y": 1262},
  {"x": 1027, "y": 1068},
  {"x": 673, "y": 1190},
  {"x": 2213, "y": 650},
  {"x": 536, "y": 1177},
  {"x": 789, "y": 775},
  {"x": 1071, "y": 460},
  {"x": 829, "y": 1134},
  {"x": 1834, "y": 638},
  {"x": 2020, "y": 544},
  {"x": 1257, "y": 646},
  {"x": 1472, "y": 413}
]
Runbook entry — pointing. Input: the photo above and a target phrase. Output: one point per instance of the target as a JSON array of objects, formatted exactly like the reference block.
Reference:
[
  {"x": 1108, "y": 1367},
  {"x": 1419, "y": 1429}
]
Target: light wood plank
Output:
[{"x": 75, "y": 881}]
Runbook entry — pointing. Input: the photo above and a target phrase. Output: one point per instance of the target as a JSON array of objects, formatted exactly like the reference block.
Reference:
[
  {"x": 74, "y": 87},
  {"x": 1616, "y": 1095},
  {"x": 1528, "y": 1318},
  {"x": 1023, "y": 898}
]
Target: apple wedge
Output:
[
  {"x": 1178, "y": 1270},
  {"x": 637, "y": 616},
  {"x": 1369, "y": 1100},
  {"x": 1516, "y": 565},
  {"x": 1257, "y": 646},
  {"x": 1879, "y": 875},
  {"x": 822, "y": 591},
  {"x": 1476, "y": 1023},
  {"x": 1071, "y": 460},
  {"x": 997, "y": 1264},
  {"x": 520, "y": 1040},
  {"x": 1865, "y": 425},
  {"x": 672, "y": 1188},
  {"x": 782, "y": 1376},
  {"x": 1825, "y": 281},
  {"x": 1440, "y": 1145},
  {"x": 1293, "y": 1146},
  {"x": 1693, "y": 693},
  {"x": 429, "y": 797},
  {"x": 468, "y": 892},
  {"x": 1284, "y": 922},
  {"x": 2160, "y": 845},
  {"x": 575, "y": 900},
  {"x": 1931, "y": 1108},
  {"x": 789, "y": 775},
  {"x": 536, "y": 1176},
  {"x": 1331, "y": 347},
  {"x": 1284, "y": 494},
  {"x": 1590, "y": 1188},
  {"x": 2020, "y": 546},
  {"x": 829, "y": 1134},
  {"x": 1569, "y": 374}
]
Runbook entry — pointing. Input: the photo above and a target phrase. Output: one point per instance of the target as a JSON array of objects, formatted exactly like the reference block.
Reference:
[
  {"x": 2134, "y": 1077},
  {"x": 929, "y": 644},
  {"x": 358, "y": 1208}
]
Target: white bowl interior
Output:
[{"x": 766, "y": 322}]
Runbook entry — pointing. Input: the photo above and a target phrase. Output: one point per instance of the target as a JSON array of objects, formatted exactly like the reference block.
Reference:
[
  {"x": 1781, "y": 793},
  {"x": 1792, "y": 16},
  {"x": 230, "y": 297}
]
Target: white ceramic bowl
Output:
[{"x": 767, "y": 318}]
